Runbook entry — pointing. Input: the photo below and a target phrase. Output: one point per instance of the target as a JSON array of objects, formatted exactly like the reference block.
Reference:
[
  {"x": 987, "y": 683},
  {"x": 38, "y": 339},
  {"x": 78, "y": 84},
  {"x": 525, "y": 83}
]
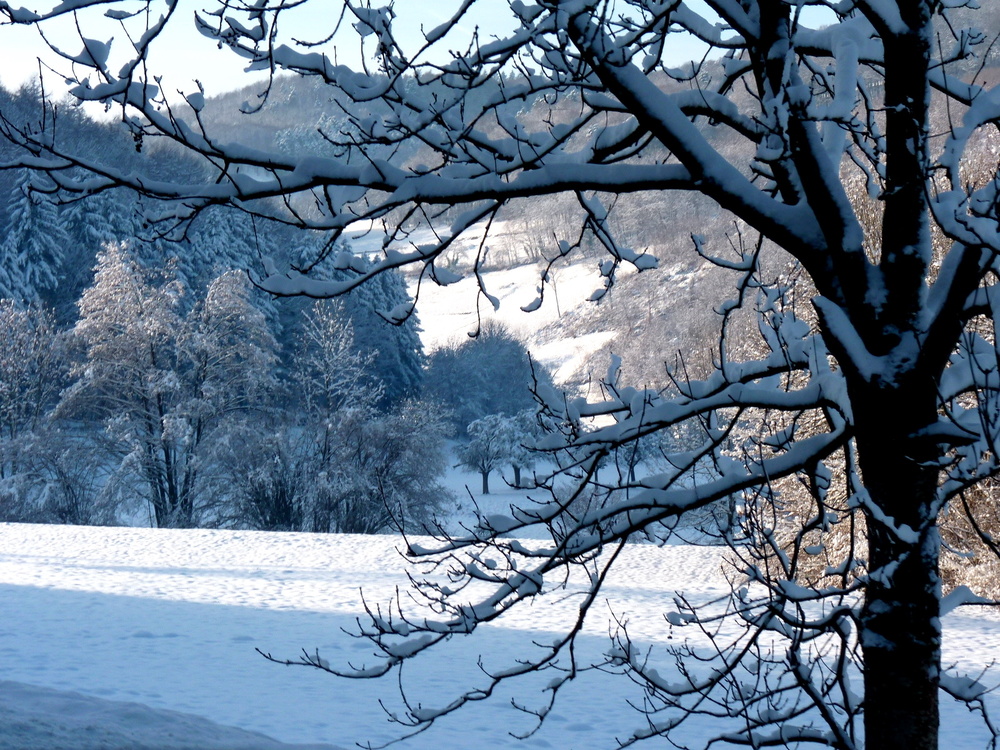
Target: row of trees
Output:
[
  {"x": 178, "y": 404},
  {"x": 48, "y": 251},
  {"x": 173, "y": 401},
  {"x": 48, "y": 248}
]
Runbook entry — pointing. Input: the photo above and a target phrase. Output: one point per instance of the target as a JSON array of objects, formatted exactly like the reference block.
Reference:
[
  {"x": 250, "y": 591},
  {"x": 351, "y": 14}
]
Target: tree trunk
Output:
[
  {"x": 900, "y": 630},
  {"x": 486, "y": 482},
  {"x": 517, "y": 475},
  {"x": 901, "y": 642}
]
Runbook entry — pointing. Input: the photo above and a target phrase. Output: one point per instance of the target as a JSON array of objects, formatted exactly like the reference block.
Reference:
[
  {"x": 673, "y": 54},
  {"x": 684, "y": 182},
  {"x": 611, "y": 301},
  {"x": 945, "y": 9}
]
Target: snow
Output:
[
  {"x": 170, "y": 619},
  {"x": 35, "y": 718},
  {"x": 448, "y": 314},
  {"x": 452, "y": 308},
  {"x": 142, "y": 638}
]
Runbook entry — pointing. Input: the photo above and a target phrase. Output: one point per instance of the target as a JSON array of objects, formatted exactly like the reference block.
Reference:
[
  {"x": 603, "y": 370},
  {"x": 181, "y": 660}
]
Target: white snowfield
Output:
[{"x": 144, "y": 639}]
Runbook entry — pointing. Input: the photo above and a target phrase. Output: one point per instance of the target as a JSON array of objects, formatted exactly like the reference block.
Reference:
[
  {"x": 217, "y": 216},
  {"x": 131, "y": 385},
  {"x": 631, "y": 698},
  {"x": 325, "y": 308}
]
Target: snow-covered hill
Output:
[
  {"x": 645, "y": 318},
  {"x": 449, "y": 314}
]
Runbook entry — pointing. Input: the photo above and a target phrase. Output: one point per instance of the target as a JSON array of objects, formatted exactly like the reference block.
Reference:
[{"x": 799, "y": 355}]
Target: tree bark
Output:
[
  {"x": 900, "y": 627},
  {"x": 486, "y": 482},
  {"x": 901, "y": 642}
]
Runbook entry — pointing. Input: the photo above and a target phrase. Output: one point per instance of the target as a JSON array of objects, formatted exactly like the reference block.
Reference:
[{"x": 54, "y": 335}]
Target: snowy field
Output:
[{"x": 144, "y": 639}]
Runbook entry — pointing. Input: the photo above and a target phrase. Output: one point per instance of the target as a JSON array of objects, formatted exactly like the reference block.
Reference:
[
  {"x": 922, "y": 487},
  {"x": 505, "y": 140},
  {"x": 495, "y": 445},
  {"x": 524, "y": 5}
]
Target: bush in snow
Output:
[{"x": 499, "y": 440}]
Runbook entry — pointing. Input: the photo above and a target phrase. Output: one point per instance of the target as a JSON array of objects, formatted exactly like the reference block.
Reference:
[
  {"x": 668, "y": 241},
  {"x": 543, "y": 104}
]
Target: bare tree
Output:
[
  {"x": 330, "y": 373},
  {"x": 33, "y": 365},
  {"x": 366, "y": 471},
  {"x": 900, "y": 371}
]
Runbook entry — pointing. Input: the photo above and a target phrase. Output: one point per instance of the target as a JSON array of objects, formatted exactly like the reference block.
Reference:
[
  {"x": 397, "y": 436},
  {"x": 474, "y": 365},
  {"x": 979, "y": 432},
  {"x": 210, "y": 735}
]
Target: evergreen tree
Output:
[
  {"x": 34, "y": 244},
  {"x": 395, "y": 352},
  {"x": 98, "y": 220},
  {"x": 222, "y": 241},
  {"x": 91, "y": 223},
  {"x": 398, "y": 351}
]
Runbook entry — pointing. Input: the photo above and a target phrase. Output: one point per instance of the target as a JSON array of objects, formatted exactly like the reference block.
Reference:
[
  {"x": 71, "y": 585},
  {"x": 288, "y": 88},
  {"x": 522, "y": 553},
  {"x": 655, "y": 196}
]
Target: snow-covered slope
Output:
[
  {"x": 448, "y": 314},
  {"x": 644, "y": 318},
  {"x": 170, "y": 620}
]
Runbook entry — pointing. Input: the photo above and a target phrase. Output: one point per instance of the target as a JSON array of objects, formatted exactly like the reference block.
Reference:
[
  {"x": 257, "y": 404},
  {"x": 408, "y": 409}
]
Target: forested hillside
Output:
[
  {"x": 66, "y": 261},
  {"x": 144, "y": 379},
  {"x": 298, "y": 113},
  {"x": 63, "y": 239}
]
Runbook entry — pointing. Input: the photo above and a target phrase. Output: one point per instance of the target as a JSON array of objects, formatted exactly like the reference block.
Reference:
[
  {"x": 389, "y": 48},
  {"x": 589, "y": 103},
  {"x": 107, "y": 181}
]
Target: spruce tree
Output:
[{"x": 34, "y": 244}]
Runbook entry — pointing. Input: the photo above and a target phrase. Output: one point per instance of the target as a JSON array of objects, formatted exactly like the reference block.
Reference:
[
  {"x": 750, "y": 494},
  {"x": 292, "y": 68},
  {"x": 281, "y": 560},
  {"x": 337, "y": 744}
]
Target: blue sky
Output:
[{"x": 183, "y": 55}]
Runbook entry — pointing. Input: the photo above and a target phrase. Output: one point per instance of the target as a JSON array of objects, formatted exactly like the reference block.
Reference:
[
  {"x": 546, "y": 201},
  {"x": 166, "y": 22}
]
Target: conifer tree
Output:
[
  {"x": 221, "y": 241},
  {"x": 396, "y": 347},
  {"x": 91, "y": 223},
  {"x": 35, "y": 242}
]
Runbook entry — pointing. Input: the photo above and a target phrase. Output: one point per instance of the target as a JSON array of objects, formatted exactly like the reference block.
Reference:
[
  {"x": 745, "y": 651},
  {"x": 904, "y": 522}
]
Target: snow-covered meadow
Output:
[
  {"x": 122, "y": 638},
  {"x": 170, "y": 619}
]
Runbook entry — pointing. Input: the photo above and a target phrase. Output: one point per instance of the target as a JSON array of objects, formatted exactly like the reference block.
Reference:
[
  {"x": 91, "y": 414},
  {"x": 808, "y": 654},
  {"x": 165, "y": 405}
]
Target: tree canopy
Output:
[{"x": 489, "y": 374}]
